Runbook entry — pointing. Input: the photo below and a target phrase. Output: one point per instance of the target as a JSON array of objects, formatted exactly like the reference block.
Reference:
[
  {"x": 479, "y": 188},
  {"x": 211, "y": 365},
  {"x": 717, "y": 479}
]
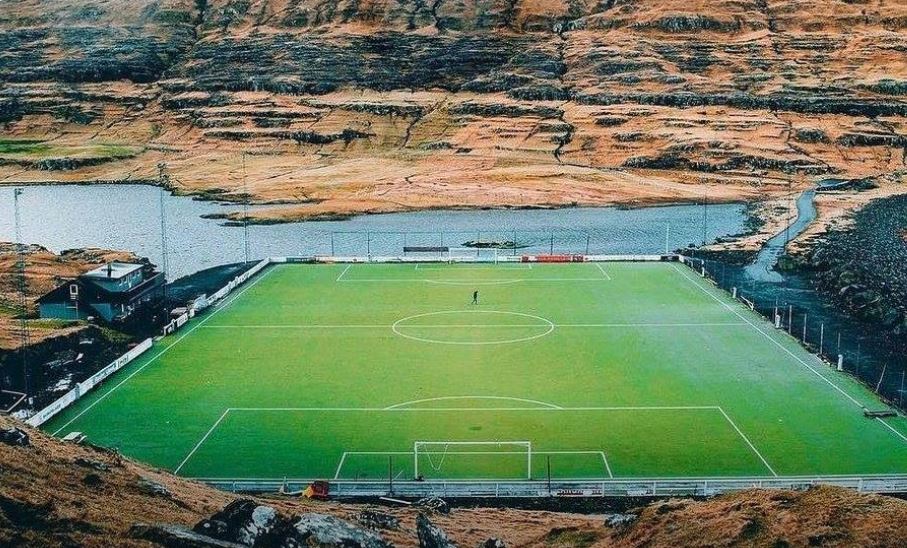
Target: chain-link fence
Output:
[
  {"x": 877, "y": 361},
  {"x": 650, "y": 239}
]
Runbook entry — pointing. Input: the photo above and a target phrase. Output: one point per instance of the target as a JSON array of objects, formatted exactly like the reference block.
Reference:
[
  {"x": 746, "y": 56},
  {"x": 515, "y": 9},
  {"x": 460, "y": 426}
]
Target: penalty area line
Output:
[
  {"x": 787, "y": 351},
  {"x": 604, "y": 273},
  {"x": 201, "y": 441},
  {"x": 748, "y": 442}
]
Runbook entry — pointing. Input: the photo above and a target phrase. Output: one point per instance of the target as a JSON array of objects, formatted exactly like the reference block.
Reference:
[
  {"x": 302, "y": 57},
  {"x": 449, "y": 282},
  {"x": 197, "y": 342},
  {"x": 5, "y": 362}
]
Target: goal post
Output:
[
  {"x": 436, "y": 453},
  {"x": 470, "y": 254}
]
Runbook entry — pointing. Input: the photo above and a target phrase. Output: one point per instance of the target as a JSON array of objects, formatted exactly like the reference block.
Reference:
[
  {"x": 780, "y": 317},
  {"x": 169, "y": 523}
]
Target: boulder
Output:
[
  {"x": 153, "y": 488},
  {"x": 320, "y": 530},
  {"x": 430, "y": 535},
  {"x": 242, "y": 521},
  {"x": 14, "y": 436},
  {"x": 176, "y": 536},
  {"x": 433, "y": 505},
  {"x": 493, "y": 543},
  {"x": 91, "y": 463},
  {"x": 618, "y": 520},
  {"x": 378, "y": 520}
]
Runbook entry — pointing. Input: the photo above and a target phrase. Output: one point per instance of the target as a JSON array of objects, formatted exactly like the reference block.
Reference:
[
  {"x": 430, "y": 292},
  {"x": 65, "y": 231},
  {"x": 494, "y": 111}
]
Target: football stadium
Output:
[{"x": 526, "y": 371}]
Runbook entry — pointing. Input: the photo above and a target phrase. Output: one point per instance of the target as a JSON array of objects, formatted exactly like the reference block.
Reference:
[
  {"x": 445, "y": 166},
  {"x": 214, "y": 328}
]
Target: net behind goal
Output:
[
  {"x": 470, "y": 254},
  {"x": 472, "y": 459}
]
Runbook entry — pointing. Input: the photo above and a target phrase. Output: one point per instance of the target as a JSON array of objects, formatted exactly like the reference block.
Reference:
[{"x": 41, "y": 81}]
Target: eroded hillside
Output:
[{"x": 351, "y": 106}]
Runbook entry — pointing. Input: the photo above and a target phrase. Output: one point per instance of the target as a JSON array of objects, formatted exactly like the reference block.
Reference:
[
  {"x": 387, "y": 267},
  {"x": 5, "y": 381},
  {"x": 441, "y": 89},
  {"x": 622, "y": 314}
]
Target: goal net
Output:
[
  {"x": 472, "y": 459},
  {"x": 470, "y": 254}
]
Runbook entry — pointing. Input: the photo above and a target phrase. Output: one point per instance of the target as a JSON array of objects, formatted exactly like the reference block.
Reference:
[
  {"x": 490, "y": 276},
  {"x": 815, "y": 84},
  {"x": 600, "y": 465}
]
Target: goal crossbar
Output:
[
  {"x": 470, "y": 254},
  {"x": 442, "y": 448}
]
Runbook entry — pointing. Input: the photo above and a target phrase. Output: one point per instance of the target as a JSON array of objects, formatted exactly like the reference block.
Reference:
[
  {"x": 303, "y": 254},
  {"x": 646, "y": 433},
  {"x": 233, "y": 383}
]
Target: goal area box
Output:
[{"x": 448, "y": 458}]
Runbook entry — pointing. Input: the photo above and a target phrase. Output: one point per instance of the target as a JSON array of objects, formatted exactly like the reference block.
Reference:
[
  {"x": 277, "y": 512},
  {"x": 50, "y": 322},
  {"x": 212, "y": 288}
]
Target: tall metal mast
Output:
[
  {"x": 245, "y": 209},
  {"x": 22, "y": 282}
]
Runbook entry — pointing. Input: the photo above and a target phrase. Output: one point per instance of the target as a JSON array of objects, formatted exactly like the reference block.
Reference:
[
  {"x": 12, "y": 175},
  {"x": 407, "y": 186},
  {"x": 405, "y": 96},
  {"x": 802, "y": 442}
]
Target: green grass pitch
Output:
[{"x": 606, "y": 369}]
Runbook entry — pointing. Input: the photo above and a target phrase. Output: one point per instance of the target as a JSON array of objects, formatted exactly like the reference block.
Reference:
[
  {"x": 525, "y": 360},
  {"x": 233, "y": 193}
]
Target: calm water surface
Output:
[{"x": 128, "y": 217}]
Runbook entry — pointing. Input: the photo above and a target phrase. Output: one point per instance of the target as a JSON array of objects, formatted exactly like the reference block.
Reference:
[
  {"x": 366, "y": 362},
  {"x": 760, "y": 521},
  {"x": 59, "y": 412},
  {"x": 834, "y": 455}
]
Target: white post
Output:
[
  {"x": 667, "y": 238},
  {"x": 529, "y": 461},
  {"x": 777, "y": 321},
  {"x": 416, "y": 460},
  {"x": 840, "y": 362},
  {"x": 734, "y": 292}
]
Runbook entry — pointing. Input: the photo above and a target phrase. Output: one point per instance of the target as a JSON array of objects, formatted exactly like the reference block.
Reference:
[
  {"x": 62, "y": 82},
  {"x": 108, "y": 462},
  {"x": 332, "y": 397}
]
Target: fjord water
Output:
[{"x": 128, "y": 217}]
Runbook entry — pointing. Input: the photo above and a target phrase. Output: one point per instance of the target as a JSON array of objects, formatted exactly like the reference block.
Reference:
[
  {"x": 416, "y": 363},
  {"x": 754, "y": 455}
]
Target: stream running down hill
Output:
[{"x": 763, "y": 268}]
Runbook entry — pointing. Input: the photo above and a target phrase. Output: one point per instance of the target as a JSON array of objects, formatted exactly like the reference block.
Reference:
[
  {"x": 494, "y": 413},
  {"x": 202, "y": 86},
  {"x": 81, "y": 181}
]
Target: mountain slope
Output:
[{"x": 357, "y": 106}]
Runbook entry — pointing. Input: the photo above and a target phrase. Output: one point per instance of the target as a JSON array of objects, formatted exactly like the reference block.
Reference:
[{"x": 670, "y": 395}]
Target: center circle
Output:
[{"x": 473, "y": 327}]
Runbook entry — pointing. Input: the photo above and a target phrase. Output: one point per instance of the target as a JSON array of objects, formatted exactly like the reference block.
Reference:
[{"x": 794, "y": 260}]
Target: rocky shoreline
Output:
[{"x": 862, "y": 267}]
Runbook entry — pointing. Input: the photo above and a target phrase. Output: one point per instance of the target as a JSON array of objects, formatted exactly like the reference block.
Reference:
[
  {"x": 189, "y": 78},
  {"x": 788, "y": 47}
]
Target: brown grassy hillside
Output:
[{"x": 348, "y": 107}]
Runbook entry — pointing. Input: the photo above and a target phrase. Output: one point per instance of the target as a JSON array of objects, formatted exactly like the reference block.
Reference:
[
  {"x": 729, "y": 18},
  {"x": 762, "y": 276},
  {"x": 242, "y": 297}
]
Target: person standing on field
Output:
[{"x": 475, "y": 297}]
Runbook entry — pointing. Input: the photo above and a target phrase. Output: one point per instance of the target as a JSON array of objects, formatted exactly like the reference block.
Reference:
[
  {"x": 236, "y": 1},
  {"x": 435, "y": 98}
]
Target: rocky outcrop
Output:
[
  {"x": 356, "y": 107},
  {"x": 430, "y": 535},
  {"x": 242, "y": 521},
  {"x": 862, "y": 266},
  {"x": 321, "y": 530},
  {"x": 14, "y": 436},
  {"x": 176, "y": 536}
]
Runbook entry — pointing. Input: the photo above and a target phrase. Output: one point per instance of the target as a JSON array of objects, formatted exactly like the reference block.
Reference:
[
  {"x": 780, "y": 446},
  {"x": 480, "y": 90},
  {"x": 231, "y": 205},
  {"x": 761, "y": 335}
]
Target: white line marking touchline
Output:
[
  {"x": 779, "y": 345},
  {"x": 224, "y": 305},
  {"x": 388, "y": 326}
]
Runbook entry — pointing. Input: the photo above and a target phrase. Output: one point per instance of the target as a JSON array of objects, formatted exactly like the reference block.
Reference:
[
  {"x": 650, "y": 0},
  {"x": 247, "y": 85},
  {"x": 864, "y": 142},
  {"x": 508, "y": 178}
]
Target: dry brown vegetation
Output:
[{"x": 350, "y": 107}]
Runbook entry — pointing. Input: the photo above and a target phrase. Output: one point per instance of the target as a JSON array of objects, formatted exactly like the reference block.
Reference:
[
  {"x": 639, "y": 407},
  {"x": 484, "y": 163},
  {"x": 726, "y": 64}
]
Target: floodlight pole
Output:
[
  {"x": 245, "y": 212},
  {"x": 163, "y": 179},
  {"x": 901, "y": 391},
  {"x": 667, "y": 238},
  {"x": 23, "y": 288}
]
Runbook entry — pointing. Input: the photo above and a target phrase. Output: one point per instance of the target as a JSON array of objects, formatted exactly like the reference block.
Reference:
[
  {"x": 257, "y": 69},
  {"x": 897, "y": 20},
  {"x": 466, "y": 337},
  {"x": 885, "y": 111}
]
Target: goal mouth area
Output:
[
  {"x": 470, "y": 461},
  {"x": 509, "y": 457}
]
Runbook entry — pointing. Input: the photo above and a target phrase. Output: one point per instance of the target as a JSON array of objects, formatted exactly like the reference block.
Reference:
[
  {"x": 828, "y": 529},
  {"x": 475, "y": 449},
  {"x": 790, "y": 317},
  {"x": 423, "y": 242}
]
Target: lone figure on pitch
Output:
[{"x": 475, "y": 297}]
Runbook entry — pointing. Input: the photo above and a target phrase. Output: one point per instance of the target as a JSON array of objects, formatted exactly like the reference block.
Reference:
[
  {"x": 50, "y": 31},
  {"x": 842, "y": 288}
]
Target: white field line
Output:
[
  {"x": 449, "y": 398},
  {"x": 340, "y": 465},
  {"x": 388, "y": 326},
  {"x": 788, "y": 352},
  {"x": 504, "y": 266},
  {"x": 748, "y": 442},
  {"x": 219, "y": 307},
  {"x": 201, "y": 441},
  {"x": 604, "y": 273},
  {"x": 607, "y": 466},
  {"x": 481, "y": 409},
  {"x": 344, "y": 272},
  {"x": 466, "y": 282}
]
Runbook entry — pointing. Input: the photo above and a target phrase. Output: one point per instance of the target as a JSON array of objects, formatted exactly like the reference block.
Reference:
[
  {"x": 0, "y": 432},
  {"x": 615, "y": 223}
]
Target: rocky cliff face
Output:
[{"x": 346, "y": 106}]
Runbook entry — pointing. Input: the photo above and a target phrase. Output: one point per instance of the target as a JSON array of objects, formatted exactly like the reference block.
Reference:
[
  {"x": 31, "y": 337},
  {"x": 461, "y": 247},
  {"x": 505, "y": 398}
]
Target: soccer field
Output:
[{"x": 591, "y": 370}]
